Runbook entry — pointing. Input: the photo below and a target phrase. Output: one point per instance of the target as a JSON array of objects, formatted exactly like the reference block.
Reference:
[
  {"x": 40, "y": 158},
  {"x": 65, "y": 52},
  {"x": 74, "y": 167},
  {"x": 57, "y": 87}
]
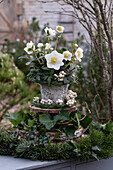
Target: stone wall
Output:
[
  {"x": 15, "y": 13},
  {"x": 53, "y": 13}
]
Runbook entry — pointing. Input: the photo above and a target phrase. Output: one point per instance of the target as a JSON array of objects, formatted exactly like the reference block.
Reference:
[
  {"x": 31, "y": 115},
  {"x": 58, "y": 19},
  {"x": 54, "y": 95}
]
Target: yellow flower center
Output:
[
  {"x": 79, "y": 53},
  {"x": 54, "y": 60},
  {"x": 59, "y": 28},
  {"x": 66, "y": 55}
]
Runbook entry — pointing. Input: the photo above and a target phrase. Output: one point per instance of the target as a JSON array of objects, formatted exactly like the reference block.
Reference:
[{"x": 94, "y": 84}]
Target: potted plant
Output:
[{"x": 54, "y": 69}]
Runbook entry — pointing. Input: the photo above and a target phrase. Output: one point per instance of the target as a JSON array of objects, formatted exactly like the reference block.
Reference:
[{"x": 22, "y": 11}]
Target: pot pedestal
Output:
[{"x": 41, "y": 110}]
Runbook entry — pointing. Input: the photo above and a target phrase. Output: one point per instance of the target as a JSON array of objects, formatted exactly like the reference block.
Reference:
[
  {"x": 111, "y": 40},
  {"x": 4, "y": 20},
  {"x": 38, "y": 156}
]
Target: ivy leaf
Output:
[
  {"x": 31, "y": 122},
  {"x": 70, "y": 130},
  {"x": 63, "y": 115},
  {"x": 85, "y": 122},
  {"x": 20, "y": 117},
  {"x": 11, "y": 116},
  {"x": 45, "y": 119}
]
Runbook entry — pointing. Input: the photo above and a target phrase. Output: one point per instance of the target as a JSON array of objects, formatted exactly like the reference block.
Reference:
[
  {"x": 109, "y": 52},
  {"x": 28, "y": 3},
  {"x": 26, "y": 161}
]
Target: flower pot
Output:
[{"x": 53, "y": 92}]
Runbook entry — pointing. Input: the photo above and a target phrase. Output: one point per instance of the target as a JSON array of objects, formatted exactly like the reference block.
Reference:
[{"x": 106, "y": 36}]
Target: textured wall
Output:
[{"x": 54, "y": 16}]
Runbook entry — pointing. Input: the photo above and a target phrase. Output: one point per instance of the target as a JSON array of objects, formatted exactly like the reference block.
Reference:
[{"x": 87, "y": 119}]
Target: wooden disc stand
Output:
[{"x": 53, "y": 112}]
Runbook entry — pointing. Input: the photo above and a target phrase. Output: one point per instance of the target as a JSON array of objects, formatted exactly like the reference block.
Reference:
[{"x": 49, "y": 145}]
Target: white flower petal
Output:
[
  {"x": 29, "y": 47},
  {"x": 67, "y": 55},
  {"x": 50, "y": 32},
  {"x": 59, "y": 29},
  {"x": 48, "y": 46},
  {"x": 56, "y": 58},
  {"x": 79, "y": 54},
  {"x": 40, "y": 45}
]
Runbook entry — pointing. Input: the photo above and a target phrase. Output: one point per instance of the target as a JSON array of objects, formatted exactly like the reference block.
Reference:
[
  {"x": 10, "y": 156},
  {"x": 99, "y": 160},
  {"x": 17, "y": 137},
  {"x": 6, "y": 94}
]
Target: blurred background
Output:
[{"x": 25, "y": 20}]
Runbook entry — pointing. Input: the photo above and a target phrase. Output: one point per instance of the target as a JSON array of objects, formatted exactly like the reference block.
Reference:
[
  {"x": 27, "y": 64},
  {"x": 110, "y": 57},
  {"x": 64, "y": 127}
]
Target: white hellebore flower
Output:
[
  {"x": 54, "y": 60},
  {"x": 48, "y": 46},
  {"x": 79, "y": 53},
  {"x": 50, "y": 32},
  {"x": 40, "y": 45},
  {"x": 76, "y": 45},
  {"x": 59, "y": 29},
  {"x": 30, "y": 47},
  {"x": 67, "y": 55}
]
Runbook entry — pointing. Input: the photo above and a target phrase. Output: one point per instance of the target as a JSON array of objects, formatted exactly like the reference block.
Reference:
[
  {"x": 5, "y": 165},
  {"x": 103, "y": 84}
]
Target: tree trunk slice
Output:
[{"x": 40, "y": 110}]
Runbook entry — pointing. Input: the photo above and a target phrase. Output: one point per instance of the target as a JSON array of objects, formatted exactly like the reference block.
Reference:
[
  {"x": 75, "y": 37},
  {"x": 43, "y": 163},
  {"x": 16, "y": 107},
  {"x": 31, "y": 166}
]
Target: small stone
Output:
[
  {"x": 56, "y": 75},
  {"x": 61, "y": 76},
  {"x": 36, "y": 99},
  {"x": 59, "y": 101},
  {"x": 73, "y": 75},
  {"x": 49, "y": 101},
  {"x": 60, "y": 79},
  {"x": 63, "y": 73},
  {"x": 43, "y": 101}
]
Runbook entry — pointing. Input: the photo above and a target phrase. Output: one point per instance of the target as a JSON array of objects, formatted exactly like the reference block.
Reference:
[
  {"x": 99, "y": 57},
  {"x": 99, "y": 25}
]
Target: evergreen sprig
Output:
[{"x": 97, "y": 144}]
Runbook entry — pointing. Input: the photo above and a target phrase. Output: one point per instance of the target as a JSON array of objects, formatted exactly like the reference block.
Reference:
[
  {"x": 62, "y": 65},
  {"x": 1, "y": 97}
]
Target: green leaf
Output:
[
  {"x": 95, "y": 156},
  {"x": 31, "y": 122},
  {"x": 45, "y": 77},
  {"x": 96, "y": 148},
  {"x": 49, "y": 80},
  {"x": 74, "y": 43},
  {"x": 63, "y": 115},
  {"x": 65, "y": 80},
  {"x": 11, "y": 116},
  {"x": 88, "y": 108},
  {"x": 51, "y": 71},
  {"x": 70, "y": 130},
  {"x": 38, "y": 78},
  {"x": 20, "y": 117},
  {"x": 85, "y": 122},
  {"x": 14, "y": 122},
  {"x": 45, "y": 119},
  {"x": 23, "y": 57},
  {"x": 70, "y": 79},
  {"x": 109, "y": 126},
  {"x": 53, "y": 106},
  {"x": 44, "y": 68},
  {"x": 28, "y": 63}
]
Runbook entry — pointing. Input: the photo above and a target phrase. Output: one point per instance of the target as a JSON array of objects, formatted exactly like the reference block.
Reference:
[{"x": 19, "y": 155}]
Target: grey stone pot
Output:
[{"x": 53, "y": 92}]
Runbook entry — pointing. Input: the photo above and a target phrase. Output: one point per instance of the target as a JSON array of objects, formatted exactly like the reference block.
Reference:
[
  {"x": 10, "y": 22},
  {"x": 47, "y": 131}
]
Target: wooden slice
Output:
[{"x": 40, "y": 110}]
